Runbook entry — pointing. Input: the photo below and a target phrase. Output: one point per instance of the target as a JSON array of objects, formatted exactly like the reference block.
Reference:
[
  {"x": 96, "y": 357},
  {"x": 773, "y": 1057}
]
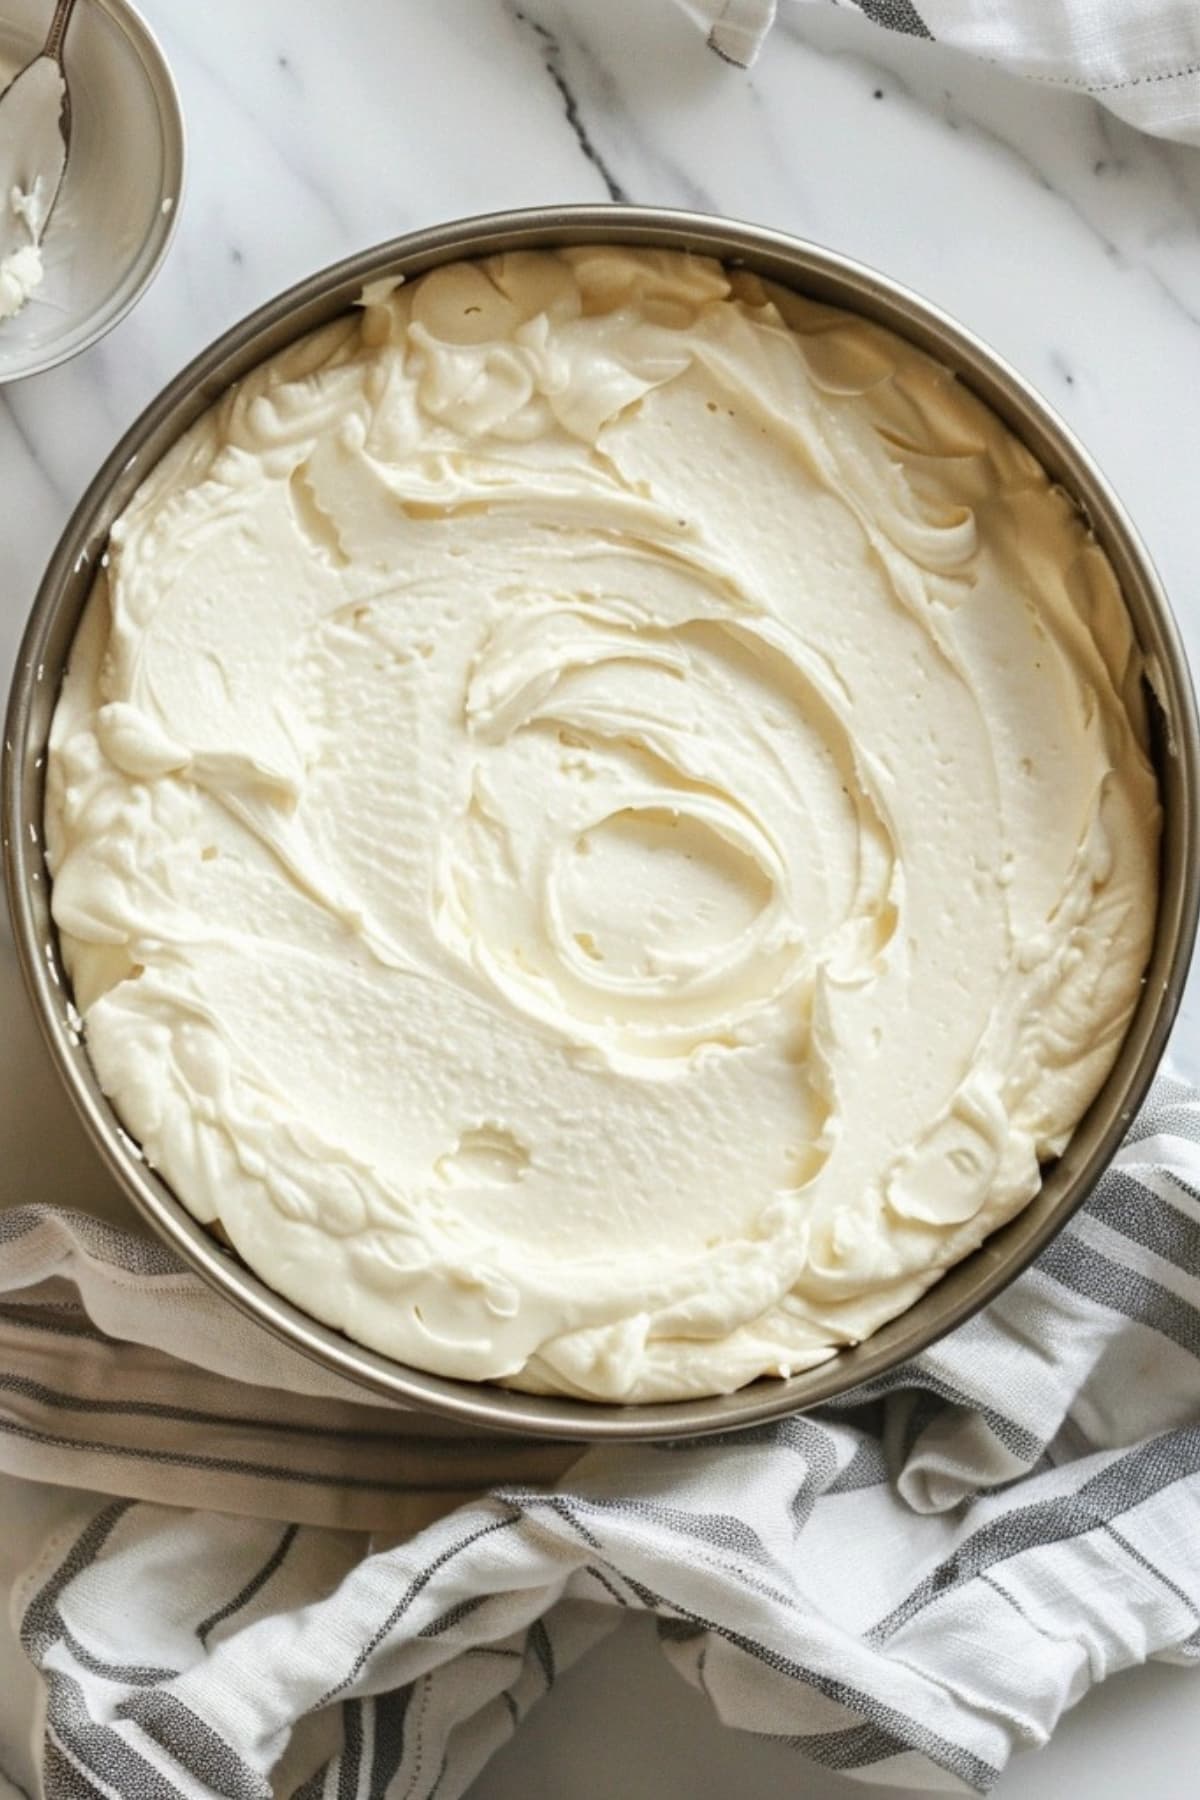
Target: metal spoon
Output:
[{"x": 35, "y": 136}]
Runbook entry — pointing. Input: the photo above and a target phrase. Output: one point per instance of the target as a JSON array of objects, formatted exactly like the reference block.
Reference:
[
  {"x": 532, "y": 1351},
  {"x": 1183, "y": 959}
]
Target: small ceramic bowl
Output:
[{"x": 120, "y": 196}]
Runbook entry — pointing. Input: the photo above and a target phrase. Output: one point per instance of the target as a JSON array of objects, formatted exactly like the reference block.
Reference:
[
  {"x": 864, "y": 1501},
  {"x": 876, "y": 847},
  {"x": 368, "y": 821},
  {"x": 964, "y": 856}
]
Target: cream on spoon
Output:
[{"x": 35, "y": 129}]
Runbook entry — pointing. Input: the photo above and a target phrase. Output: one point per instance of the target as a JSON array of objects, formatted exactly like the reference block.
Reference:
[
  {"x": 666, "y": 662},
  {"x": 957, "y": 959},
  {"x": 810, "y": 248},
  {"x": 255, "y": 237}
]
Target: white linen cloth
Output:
[
  {"x": 296, "y": 1592},
  {"x": 1139, "y": 58}
]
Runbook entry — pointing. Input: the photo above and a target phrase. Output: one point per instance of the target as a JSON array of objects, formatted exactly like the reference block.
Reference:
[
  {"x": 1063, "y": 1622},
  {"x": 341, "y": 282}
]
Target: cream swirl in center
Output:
[{"x": 702, "y": 842}]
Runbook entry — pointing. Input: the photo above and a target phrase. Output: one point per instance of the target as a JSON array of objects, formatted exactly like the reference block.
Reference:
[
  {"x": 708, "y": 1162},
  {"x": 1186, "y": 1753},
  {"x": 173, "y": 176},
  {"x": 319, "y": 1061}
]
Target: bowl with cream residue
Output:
[
  {"x": 121, "y": 193},
  {"x": 486, "y": 1155}
]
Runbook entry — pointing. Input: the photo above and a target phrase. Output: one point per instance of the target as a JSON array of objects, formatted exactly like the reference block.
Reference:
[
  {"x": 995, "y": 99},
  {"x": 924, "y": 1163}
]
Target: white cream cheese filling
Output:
[
  {"x": 601, "y": 825},
  {"x": 21, "y": 272}
]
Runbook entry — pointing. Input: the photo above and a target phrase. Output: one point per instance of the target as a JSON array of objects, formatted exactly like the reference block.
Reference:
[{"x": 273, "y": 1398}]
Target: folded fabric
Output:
[
  {"x": 128, "y": 1375},
  {"x": 1141, "y": 61},
  {"x": 910, "y": 1585}
]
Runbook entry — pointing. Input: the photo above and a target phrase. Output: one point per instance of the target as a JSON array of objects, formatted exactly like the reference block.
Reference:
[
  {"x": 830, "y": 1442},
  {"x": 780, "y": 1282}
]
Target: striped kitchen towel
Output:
[
  {"x": 1139, "y": 58},
  {"x": 294, "y": 1592}
]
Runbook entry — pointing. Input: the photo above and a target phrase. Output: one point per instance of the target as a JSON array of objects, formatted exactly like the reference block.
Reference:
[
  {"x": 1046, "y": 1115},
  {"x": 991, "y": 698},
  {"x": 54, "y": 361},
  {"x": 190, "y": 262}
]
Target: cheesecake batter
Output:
[{"x": 601, "y": 825}]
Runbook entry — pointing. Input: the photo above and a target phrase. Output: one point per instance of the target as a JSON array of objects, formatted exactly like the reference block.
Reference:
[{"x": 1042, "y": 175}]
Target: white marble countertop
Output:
[{"x": 1065, "y": 239}]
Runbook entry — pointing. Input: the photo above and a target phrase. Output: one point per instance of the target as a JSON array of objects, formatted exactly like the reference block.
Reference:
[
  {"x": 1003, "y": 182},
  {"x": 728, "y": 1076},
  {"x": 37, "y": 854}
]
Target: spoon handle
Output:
[{"x": 58, "y": 29}]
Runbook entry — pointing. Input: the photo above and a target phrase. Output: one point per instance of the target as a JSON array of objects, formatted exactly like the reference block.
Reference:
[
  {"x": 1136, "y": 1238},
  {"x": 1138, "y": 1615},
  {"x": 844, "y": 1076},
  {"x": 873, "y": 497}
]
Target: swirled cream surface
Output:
[{"x": 600, "y": 823}]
